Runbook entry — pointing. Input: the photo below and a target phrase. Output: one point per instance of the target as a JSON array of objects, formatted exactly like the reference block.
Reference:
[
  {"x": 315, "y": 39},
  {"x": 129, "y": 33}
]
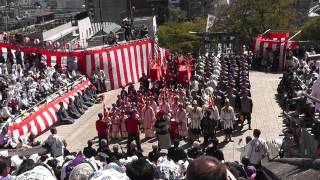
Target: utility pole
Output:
[{"x": 101, "y": 22}]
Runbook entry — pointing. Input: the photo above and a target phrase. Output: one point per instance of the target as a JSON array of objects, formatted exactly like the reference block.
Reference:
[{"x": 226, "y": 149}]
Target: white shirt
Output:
[
  {"x": 56, "y": 145},
  {"x": 242, "y": 149},
  {"x": 227, "y": 117},
  {"x": 195, "y": 118},
  {"x": 256, "y": 150}
]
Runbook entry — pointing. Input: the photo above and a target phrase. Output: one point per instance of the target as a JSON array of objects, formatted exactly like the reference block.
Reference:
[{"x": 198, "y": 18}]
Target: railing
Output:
[{"x": 47, "y": 100}]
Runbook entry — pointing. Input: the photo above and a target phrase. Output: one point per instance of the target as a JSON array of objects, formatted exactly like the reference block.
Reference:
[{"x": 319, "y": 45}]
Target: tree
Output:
[
  {"x": 248, "y": 18},
  {"x": 175, "y": 36},
  {"x": 310, "y": 29}
]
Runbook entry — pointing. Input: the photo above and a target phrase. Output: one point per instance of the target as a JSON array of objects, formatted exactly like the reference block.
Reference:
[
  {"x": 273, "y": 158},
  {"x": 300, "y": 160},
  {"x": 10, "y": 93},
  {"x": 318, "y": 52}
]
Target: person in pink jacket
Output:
[
  {"x": 148, "y": 118},
  {"x": 116, "y": 121},
  {"x": 182, "y": 120}
]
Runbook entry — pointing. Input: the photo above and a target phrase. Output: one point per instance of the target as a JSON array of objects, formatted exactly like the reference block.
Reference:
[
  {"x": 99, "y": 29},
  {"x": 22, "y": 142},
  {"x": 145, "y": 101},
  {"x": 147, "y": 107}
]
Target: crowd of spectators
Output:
[
  {"x": 300, "y": 78},
  {"x": 26, "y": 81},
  {"x": 113, "y": 163}
]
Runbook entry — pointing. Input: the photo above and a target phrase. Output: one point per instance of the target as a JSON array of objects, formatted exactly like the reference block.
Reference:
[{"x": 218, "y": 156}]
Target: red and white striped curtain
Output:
[{"x": 121, "y": 64}]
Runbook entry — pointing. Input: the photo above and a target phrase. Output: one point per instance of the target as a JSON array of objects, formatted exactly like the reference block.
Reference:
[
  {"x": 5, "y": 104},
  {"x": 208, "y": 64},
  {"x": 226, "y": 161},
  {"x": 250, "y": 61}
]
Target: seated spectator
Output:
[
  {"x": 176, "y": 153},
  {"x": 206, "y": 168},
  {"x": 104, "y": 147},
  {"x": 116, "y": 155},
  {"x": 195, "y": 151},
  {"x": 5, "y": 168},
  {"x": 89, "y": 151},
  {"x": 140, "y": 170},
  {"x": 154, "y": 154},
  {"x": 72, "y": 110},
  {"x": 63, "y": 115},
  {"x": 54, "y": 144},
  {"x": 214, "y": 151},
  {"x": 133, "y": 151}
]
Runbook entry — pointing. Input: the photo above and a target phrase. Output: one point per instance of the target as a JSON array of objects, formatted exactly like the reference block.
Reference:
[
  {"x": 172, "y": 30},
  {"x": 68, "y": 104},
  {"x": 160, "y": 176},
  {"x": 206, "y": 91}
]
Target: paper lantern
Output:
[
  {"x": 49, "y": 43},
  {"x": 67, "y": 45},
  {"x": 57, "y": 45},
  {"x": 5, "y": 34},
  {"x": 26, "y": 40},
  {"x": 36, "y": 42}
]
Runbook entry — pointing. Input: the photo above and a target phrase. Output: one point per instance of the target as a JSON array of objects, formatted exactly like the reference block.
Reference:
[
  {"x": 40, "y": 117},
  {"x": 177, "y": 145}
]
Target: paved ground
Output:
[{"x": 265, "y": 117}]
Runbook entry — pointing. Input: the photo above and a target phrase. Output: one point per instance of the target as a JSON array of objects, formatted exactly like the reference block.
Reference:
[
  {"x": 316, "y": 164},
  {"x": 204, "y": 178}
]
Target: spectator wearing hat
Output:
[
  {"x": 102, "y": 127},
  {"x": 227, "y": 118},
  {"x": 195, "y": 116}
]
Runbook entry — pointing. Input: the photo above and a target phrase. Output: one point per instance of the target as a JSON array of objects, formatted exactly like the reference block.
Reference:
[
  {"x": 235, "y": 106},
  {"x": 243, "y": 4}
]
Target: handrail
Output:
[
  {"x": 314, "y": 99},
  {"x": 65, "y": 89}
]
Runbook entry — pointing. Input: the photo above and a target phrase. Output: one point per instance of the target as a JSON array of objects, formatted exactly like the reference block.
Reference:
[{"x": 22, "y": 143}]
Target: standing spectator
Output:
[
  {"x": 227, "y": 119},
  {"x": 162, "y": 128},
  {"x": 246, "y": 109},
  {"x": 242, "y": 147},
  {"x": 144, "y": 82},
  {"x": 208, "y": 127},
  {"x": 102, "y": 127},
  {"x": 132, "y": 124},
  {"x": 55, "y": 144},
  {"x": 257, "y": 149}
]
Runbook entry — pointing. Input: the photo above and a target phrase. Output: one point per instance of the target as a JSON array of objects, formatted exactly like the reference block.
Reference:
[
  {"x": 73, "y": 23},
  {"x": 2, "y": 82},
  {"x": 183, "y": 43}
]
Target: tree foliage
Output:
[
  {"x": 310, "y": 29},
  {"x": 248, "y": 18},
  {"x": 175, "y": 36}
]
